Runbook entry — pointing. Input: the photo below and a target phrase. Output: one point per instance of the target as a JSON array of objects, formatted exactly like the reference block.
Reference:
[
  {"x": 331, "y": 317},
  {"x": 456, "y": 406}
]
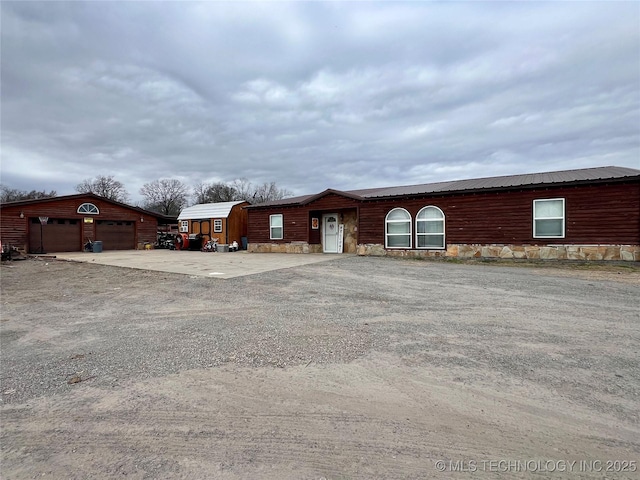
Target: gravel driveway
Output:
[{"x": 357, "y": 367}]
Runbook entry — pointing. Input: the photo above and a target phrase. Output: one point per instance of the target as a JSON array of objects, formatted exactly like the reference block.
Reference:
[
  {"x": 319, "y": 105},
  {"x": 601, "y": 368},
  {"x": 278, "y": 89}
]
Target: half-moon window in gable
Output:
[{"x": 88, "y": 209}]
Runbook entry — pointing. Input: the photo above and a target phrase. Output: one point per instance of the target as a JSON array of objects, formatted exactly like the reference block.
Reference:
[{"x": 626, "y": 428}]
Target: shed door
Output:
[
  {"x": 202, "y": 227},
  {"x": 116, "y": 234},
  {"x": 205, "y": 227},
  {"x": 330, "y": 233},
  {"x": 58, "y": 235}
]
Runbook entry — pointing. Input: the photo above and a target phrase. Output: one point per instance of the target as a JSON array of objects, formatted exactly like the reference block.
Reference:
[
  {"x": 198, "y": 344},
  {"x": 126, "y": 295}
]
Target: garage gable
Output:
[{"x": 74, "y": 220}]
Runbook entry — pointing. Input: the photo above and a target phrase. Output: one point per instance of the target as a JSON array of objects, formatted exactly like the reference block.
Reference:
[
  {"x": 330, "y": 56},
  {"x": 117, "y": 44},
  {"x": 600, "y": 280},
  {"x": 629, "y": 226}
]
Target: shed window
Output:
[
  {"x": 276, "y": 230},
  {"x": 217, "y": 225},
  {"x": 430, "y": 228},
  {"x": 184, "y": 226},
  {"x": 548, "y": 218},
  {"x": 88, "y": 209},
  {"x": 398, "y": 229}
]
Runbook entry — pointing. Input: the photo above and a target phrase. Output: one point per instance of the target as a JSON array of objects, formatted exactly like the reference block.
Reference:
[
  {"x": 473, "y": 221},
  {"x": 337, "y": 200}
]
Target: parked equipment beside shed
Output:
[
  {"x": 210, "y": 246},
  {"x": 195, "y": 241},
  {"x": 182, "y": 241},
  {"x": 164, "y": 240}
]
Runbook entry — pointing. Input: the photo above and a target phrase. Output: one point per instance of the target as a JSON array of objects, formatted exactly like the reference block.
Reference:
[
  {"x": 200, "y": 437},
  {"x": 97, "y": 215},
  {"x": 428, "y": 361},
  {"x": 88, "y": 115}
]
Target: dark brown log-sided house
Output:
[
  {"x": 588, "y": 214},
  {"x": 73, "y": 220},
  {"x": 226, "y": 221}
]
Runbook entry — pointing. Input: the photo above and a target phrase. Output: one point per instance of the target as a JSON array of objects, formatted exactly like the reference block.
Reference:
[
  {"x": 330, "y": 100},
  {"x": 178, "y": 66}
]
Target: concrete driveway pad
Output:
[{"x": 209, "y": 264}]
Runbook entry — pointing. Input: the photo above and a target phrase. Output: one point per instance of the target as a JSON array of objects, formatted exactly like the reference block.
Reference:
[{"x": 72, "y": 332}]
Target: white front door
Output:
[{"x": 330, "y": 233}]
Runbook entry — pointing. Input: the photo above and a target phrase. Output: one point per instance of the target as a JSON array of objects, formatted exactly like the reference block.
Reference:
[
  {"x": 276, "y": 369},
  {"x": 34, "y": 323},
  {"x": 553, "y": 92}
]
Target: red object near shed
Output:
[{"x": 182, "y": 241}]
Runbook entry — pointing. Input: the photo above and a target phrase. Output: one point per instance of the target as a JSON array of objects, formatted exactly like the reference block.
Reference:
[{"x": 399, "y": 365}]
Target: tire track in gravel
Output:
[
  {"x": 357, "y": 420},
  {"x": 386, "y": 366}
]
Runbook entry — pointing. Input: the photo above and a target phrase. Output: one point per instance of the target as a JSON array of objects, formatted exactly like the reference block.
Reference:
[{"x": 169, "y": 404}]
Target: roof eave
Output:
[
  {"x": 31, "y": 201},
  {"x": 507, "y": 188}
]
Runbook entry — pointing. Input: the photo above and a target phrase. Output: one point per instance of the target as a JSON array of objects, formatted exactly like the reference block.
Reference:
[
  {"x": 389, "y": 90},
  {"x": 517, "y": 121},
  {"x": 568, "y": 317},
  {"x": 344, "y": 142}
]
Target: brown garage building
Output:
[{"x": 66, "y": 223}]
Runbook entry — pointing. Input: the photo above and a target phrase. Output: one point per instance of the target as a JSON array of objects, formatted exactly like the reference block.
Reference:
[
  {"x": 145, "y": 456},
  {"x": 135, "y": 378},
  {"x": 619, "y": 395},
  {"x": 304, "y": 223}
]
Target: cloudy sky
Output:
[{"x": 315, "y": 95}]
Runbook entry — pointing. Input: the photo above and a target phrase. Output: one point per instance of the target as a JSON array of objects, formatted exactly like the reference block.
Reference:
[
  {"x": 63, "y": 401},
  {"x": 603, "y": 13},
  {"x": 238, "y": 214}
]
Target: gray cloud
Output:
[{"x": 315, "y": 95}]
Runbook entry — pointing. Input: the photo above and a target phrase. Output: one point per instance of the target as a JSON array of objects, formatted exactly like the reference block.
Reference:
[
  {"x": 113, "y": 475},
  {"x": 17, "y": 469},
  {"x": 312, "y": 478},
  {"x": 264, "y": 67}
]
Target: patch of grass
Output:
[
  {"x": 593, "y": 265},
  {"x": 455, "y": 260}
]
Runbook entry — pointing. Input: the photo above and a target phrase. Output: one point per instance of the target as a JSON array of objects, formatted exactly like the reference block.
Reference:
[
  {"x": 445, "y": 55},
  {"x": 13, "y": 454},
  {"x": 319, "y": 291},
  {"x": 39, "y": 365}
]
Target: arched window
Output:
[
  {"x": 430, "y": 228},
  {"x": 88, "y": 209},
  {"x": 398, "y": 229}
]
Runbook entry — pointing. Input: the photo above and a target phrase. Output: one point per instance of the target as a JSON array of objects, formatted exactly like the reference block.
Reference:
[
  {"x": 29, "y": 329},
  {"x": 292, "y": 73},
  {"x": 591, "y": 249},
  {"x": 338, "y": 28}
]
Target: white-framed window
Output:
[
  {"x": 276, "y": 227},
  {"x": 548, "y": 218},
  {"x": 430, "y": 228},
  {"x": 397, "y": 229},
  {"x": 217, "y": 225},
  {"x": 88, "y": 209},
  {"x": 184, "y": 226}
]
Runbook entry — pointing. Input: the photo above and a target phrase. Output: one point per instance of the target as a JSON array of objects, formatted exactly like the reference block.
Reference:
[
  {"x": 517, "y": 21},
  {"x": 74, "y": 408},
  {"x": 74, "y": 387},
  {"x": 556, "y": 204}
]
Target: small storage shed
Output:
[
  {"x": 226, "y": 221},
  {"x": 66, "y": 223}
]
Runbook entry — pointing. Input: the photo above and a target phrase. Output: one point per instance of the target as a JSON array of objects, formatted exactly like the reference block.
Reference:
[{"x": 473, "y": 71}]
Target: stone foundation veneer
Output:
[
  {"x": 293, "y": 247},
  {"x": 629, "y": 253}
]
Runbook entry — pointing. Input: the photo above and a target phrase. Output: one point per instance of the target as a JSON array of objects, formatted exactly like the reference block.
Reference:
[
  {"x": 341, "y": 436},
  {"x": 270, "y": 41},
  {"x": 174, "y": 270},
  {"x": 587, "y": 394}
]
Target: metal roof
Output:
[
  {"x": 88, "y": 195},
  {"x": 474, "y": 184},
  {"x": 285, "y": 201},
  {"x": 504, "y": 182},
  {"x": 208, "y": 210}
]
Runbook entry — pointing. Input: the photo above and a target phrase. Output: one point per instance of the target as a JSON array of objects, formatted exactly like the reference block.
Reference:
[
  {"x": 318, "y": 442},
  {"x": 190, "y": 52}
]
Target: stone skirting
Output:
[
  {"x": 293, "y": 247},
  {"x": 629, "y": 253}
]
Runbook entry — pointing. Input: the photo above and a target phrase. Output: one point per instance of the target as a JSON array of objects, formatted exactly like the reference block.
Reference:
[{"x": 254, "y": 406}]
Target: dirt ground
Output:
[{"x": 352, "y": 368}]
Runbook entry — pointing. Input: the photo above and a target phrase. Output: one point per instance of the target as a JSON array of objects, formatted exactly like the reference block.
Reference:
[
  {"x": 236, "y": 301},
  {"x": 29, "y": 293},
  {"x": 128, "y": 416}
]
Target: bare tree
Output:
[
  {"x": 105, "y": 186},
  {"x": 165, "y": 196},
  {"x": 200, "y": 193},
  {"x": 13, "y": 195},
  {"x": 268, "y": 192},
  {"x": 214, "y": 192},
  {"x": 239, "y": 189},
  {"x": 244, "y": 189}
]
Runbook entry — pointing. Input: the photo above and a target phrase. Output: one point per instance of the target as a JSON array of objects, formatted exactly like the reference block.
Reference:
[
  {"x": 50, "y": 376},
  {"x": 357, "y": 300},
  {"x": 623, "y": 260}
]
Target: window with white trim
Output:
[
  {"x": 217, "y": 225},
  {"x": 88, "y": 209},
  {"x": 184, "y": 226},
  {"x": 548, "y": 218},
  {"x": 430, "y": 228},
  {"x": 398, "y": 229},
  {"x": 276, "y": 227}
]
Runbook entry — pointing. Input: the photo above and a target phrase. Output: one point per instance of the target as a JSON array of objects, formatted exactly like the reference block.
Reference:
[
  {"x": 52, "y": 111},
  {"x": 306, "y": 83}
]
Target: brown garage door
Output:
[
  {"x": 58, "y": 235},
  {"x": 116, "y": 234}
]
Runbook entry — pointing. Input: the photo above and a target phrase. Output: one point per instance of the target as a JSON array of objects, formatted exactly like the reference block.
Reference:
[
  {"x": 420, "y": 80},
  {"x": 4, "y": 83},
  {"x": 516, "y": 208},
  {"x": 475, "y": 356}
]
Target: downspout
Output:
[{"x": 357, "y": 227}]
